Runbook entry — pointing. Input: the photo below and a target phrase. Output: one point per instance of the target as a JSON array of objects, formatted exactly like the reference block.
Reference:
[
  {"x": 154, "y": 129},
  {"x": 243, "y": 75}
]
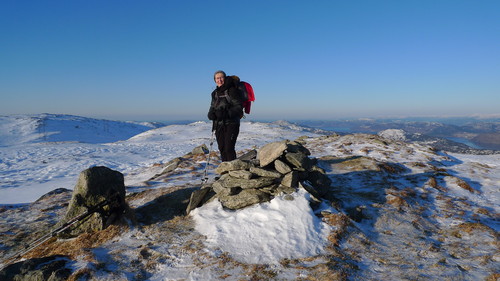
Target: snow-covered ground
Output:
[
  {"x": 44, "y": 152},
  {"x": 409, "y": 227}
]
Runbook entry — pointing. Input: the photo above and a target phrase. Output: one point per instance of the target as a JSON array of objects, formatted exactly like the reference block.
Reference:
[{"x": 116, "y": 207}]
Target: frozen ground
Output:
[{"x": 398, "y": 211}]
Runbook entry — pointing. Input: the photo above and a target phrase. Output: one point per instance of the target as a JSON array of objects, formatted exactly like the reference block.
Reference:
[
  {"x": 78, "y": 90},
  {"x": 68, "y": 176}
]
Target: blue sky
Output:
[{"x": 154, "y": 60}]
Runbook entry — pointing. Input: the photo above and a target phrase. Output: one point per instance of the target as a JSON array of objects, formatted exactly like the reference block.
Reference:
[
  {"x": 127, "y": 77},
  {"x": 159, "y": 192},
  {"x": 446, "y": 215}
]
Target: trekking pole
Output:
[
  {"x": 36, "y": 243},
  {"x": 205, "y": 173}
]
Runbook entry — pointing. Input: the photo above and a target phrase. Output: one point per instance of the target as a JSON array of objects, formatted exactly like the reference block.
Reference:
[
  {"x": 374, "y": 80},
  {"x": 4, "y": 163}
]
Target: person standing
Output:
[{"x": 225, "y": 111}]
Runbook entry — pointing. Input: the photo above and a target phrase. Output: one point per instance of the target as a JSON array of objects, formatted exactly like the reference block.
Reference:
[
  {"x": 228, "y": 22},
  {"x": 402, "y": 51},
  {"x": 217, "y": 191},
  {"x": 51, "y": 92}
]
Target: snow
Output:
[
  {"x": 34, "y": 163},
  {"x": 31, "y": 167},
  {"x": 39, "y": 153},
  {"x": 266, "y": 233}
]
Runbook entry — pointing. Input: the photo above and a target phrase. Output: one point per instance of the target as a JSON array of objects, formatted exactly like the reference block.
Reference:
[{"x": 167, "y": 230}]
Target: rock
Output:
[
  {"x": 282, "y": 167},
  {"x": 298, "y": 160},
  {"x": 237, "y": 164},
  {"x": 95, "y": 186},
  {"x": 53, "y": 268},
  {"x": 296, "y": 147},
  {"x": 291, "y": 179},
  {"x": 284, "y": 189},
  {"x": 172, "y": 165},
  {"x": 202, "y": 149},
  {"x": 320, "y": 180},
  {"x": 222, "y": 190},
  {"x": 229, "y": 182},
  {"x": 265, "y": 173},
  {"x": 270, "y": 152},
  {"x": 241, "y": 174},
  {"x": 310, "y": 189},
  {"x": 197, "y": 197},
  {"x": 243, "y": 184},
  {"x": 252, "y": 154},
  {"x": 244, "y": 199}
]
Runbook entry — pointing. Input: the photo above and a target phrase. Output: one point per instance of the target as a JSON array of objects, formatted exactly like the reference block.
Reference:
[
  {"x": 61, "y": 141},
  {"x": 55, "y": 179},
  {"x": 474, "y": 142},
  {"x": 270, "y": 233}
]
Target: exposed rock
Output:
[
  {"x": 259, "y": 182},
  {"x": 393, "y": 134},
  {"x": 53, "y": 268},
  {"x": 282, "y": 167},
  {"x": 270, "y": 152},
  {"x": 172, "y": 165},
  {"x": 202, "y": 149},
  {"x": 237, "y": 164},
  {"x": 242, "y": 184},
  {"x": 298, "y": 160},
  {"x": 244, "y": 199},
  {"x": 197, "y": 197},
  {"x": 252, "y": 154},
  {"x": 241, "y": 174},
  {"x": 351, "y": 164},
  {"x": 220, "y": 188},
  {"x": 264, "y": 172},
  {"x": 97, "y": 186},
  {"x": 291, "y": 179},
  {"x": 297, "y": 147}
]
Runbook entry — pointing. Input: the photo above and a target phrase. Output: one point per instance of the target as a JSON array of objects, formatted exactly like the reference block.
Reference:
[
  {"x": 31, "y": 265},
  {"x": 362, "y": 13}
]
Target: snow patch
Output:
[{"x": 264, "y": 233}]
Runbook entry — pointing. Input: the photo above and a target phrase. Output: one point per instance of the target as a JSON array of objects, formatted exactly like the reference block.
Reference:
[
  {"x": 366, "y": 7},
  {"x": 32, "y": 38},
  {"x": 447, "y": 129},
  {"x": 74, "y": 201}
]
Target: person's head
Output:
[{"x": 219, "y": 77}]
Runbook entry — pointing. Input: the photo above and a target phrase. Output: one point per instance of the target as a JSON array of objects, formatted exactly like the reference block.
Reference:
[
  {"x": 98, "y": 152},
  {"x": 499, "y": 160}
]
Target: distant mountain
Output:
[{"x": 470, "y": 135}]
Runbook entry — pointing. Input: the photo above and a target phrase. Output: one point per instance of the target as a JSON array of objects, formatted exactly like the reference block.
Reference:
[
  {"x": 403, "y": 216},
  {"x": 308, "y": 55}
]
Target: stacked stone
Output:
[{"x": 280, "y": 167}]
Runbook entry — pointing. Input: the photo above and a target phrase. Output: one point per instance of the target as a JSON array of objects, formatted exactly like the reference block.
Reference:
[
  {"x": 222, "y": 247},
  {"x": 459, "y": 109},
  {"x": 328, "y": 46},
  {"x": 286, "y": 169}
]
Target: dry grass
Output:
[
  {"x": 463, "y": 184},
  {"x": 79, "y": 246},
  {"x": 493, "y": 277},
  {"x": 341, "y": 222},
  {"x": 470, "y": 227}
]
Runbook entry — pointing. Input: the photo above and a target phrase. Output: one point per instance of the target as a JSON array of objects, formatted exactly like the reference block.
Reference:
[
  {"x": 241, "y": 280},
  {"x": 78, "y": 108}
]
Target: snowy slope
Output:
[
  {"x": 20, "y": 129},
  {"x": 31, "y": 167},
  {"x": 411, "y": 213}
]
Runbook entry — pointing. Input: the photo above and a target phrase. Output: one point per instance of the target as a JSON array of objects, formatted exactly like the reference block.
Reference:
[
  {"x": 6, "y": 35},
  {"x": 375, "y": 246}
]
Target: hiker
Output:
[{"x": 225, "y": 111}]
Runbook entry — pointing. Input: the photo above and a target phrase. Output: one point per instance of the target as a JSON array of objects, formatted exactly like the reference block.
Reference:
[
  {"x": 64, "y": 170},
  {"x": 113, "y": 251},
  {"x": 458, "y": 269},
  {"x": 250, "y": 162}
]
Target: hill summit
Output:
[{"x": 392, "y": 210}]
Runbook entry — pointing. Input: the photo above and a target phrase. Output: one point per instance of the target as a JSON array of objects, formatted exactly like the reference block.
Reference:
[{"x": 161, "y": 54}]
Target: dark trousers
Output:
[{"x": 226, "y": 135}]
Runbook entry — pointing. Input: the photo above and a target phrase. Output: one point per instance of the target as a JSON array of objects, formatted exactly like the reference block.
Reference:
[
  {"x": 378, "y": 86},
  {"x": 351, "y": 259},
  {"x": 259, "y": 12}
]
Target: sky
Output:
[{"x": 154, "y": 60}]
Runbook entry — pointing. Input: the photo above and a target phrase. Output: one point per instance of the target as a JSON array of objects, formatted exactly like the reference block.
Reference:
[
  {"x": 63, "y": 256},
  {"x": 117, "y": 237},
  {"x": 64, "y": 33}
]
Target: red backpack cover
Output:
[{"x": 247, "y": 104}]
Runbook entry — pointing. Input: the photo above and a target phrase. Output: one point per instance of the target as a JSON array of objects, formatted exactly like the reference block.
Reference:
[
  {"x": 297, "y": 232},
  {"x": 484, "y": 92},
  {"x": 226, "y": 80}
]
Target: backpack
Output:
[{"x": 247, "y": 93}]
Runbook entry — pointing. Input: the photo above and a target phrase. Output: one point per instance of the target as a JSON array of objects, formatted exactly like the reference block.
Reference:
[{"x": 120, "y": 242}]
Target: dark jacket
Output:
[{"x": 227, "y": 105}]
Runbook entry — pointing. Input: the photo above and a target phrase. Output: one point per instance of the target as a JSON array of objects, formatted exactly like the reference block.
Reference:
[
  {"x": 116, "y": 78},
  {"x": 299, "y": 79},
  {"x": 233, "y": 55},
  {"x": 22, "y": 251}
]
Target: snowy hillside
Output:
[
  {"x": 33, "y": 163},
  {"x": 19, "y": 129},
  {"x": 396, "y": 210}
]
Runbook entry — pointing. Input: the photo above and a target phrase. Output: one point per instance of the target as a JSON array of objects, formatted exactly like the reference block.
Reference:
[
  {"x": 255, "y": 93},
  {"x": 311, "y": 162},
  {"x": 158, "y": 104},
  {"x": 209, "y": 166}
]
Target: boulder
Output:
[{"x": 97, "y": 186}]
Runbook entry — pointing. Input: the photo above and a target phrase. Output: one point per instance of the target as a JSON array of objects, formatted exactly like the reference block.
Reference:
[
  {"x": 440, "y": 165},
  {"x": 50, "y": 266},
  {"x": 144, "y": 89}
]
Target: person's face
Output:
[{"x": 219, "y": 79}]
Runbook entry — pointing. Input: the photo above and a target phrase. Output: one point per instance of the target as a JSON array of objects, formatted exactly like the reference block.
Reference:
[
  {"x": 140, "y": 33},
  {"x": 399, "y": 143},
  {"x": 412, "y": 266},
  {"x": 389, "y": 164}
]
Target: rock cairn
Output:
[{"x": 279, "y": 167}]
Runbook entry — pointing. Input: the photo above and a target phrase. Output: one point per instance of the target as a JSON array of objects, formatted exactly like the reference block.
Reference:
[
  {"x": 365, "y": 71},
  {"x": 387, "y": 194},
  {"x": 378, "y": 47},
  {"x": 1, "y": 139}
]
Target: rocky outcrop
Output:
[
  {"x": 100, "y": 193},
  {"x": 53, "y": 268},
  {"x": 279, "y": 167}
]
